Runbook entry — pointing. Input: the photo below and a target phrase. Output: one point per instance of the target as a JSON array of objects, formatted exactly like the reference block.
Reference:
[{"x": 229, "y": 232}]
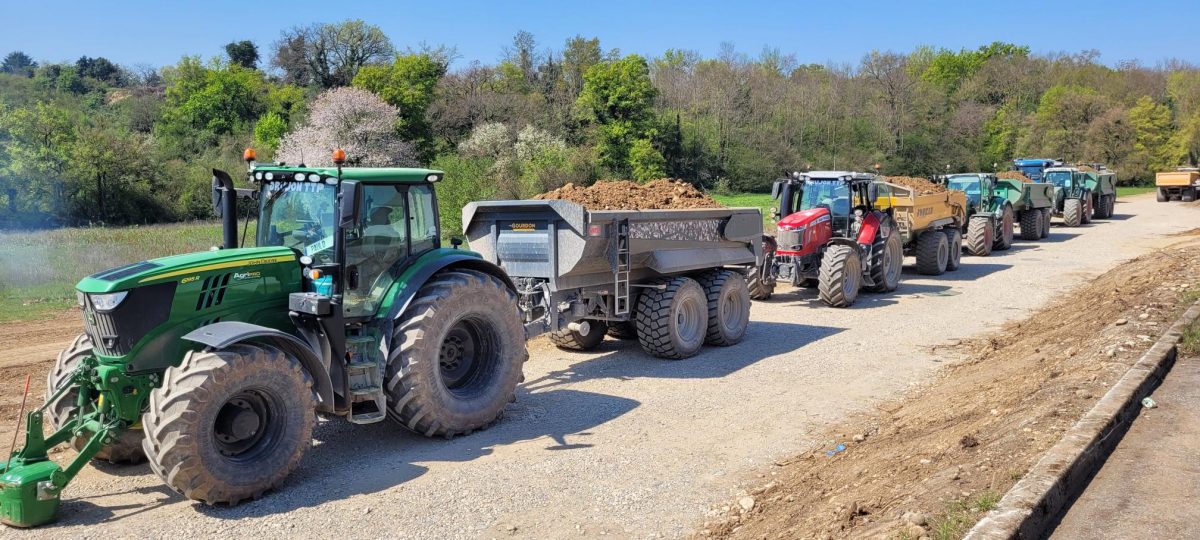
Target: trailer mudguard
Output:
[{"x": 223, "y": 334}]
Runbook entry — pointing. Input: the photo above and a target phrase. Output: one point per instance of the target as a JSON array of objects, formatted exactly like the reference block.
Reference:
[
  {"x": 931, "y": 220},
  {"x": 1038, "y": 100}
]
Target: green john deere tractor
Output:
[
  {"x": 990, "y": 216},
  {"x": 211, "y": 365}
]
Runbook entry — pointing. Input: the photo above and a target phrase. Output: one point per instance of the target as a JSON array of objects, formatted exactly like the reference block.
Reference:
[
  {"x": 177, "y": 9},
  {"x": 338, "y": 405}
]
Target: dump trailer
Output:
[
  {"x": 1179, "y": 185},
  {"x": 930, "y": 224},
  {"x": 1101, "y": 184},
  {"x": 1072, "y": 194},
  {"x": 674, "y": 279},
  {"x": 1031, "y": 204},
  {"x": 1035, "y": 168}
]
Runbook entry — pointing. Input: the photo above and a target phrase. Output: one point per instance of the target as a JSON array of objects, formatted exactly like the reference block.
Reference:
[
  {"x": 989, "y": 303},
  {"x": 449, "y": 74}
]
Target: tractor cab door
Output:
[{"x": 398, "y": 222}]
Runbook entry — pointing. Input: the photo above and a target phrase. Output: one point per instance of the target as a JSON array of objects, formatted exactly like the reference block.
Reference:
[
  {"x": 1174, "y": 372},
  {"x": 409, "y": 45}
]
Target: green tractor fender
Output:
[
  {"x": 223, "y": 334},
  {"x": 427, "y": 266}
]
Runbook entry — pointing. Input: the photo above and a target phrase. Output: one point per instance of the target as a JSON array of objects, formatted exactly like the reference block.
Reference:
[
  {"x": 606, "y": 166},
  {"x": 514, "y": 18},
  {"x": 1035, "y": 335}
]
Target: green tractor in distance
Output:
[
  {"x": 211, "y": 365},
  {"x": 990, "y": 216},
  {"x": 1027, "y": 203},
  {"x": 1100, "y": 182},
  {"x": 1073, "y": 194}
]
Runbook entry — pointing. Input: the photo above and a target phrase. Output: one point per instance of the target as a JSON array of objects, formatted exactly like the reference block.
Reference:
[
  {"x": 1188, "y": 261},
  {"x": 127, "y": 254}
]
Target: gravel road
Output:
[{"x": 617, "y": 443}]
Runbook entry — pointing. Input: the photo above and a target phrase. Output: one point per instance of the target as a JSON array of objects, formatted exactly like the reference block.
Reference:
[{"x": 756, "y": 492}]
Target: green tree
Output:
[
  {"x": 243, "y": 53},
  {"x": 204, "y": 102},
  {"x": 646, "y": 161},
  {"x": 410, "y": 85},
  {"x": 18, "y": 63},
  {"x": 1152, "y": 135},
  {"x": 618, "y": 97},
  {"x": 269, "y": 130},
  {"x": 101, "y": 69}
]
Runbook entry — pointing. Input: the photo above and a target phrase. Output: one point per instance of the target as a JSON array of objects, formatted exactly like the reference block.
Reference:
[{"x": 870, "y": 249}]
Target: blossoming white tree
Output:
[{"x": 351, "y": 119}]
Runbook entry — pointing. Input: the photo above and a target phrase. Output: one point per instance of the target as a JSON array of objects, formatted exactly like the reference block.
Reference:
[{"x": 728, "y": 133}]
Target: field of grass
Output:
[
  {"x": 762, "y": 201},
  {"x": 39, "y": 270},
  {"x": 1125, "y": 191}
]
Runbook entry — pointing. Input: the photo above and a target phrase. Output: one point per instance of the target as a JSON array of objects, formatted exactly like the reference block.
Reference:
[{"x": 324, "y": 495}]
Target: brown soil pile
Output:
[
  {"x": 662, "y": 194},
  {"x": 932, "y": 463},
  {"x": 1014, "y": 175},
  {"x": 1086, "y": 168},
  {"x": 921, "y": 185}
]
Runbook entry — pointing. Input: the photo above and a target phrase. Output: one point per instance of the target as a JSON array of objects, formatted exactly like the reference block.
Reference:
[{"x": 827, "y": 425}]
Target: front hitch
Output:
[{"x": 30, "y": 483}]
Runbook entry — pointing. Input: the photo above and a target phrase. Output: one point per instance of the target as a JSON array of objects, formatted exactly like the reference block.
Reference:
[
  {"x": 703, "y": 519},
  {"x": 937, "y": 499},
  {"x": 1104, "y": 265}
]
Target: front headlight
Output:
[
  {"x": 108, "y": 302},
  {"x": 79, "y": 297}
]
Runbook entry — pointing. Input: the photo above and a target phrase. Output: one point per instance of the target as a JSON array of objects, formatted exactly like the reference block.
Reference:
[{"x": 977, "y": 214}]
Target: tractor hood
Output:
[
  {"x": 182, "y": 268},
  {"x": 804, "y": 218}
]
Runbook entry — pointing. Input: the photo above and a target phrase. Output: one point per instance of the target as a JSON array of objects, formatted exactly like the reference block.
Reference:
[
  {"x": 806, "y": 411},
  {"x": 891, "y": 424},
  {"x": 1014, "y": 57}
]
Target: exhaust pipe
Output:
[{"x": 224, "y": 198}]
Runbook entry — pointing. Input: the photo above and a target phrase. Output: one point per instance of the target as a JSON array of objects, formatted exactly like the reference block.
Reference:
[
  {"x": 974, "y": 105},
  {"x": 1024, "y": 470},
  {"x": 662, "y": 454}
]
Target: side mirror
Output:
[
  {"x": 872, "y": 192},
  {"x": 455, "y": 242},
  {"x": 350, "y": 201},
  {"x": 775, "y": 188}
]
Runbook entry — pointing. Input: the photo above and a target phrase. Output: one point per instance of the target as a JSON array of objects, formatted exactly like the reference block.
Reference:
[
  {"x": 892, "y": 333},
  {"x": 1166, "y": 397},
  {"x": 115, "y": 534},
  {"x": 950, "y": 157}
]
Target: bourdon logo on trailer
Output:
[{"x": 522, "y": 227}]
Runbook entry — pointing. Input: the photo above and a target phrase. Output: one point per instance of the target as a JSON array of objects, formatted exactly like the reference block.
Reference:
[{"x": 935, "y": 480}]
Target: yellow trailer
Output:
[
  {"x": 930, "y": 224},
  {"x": 1181, "y": 184}
]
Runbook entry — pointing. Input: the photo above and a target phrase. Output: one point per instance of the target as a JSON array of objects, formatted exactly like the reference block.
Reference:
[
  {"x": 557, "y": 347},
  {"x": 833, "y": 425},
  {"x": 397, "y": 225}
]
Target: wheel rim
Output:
[
  {"x": 248, "y": 424},
  {"x": 729, "y": 310},
  {"x": 466, "y": 357},
  {"x": 850, "y": 280},
  {"x": 690, "y": 320},
  {"x": 894, "y": 260}
]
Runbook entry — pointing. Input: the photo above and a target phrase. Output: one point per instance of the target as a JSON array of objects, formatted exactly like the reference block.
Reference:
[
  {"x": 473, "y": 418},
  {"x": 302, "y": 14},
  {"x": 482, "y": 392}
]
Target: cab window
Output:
[
  {"x": 422, "y": 219},
  {"x": 375, "y": 245}
]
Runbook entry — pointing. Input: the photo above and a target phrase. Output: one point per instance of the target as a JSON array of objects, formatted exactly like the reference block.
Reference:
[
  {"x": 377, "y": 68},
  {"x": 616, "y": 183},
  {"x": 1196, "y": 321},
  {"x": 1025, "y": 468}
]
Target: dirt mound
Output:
[
  {"x": 1086, "y": 168},
  {"x": 933, "y": 463},
  {"x": 1014, "y": 175},
  {"x": 661, "y": 194},
  {"x": 921, "y": 185}
]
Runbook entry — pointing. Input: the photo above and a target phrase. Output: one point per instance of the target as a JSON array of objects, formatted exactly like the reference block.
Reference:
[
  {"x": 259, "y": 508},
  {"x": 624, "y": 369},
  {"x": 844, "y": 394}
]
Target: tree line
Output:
[{"x": 93, "y": 142}]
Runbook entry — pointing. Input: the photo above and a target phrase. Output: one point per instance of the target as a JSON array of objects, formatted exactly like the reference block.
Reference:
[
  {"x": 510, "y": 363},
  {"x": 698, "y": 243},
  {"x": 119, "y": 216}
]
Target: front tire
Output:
[
  {"x": 456, "y": 355},
  {"x": 127, "y": 449},
  {"x": 840, "y": 277},
  {"x": 933, "y": 252},
  {"x": 229, "y": 424},
  {"x": 887, "y": 260},
  {"x": 1005, "y": 238},
  {"x": 728, "y": 307},
  {"x": 1072, "y": 212},
  {"x": 980, "y": 237},
  {"x": 672, "y": 321}
]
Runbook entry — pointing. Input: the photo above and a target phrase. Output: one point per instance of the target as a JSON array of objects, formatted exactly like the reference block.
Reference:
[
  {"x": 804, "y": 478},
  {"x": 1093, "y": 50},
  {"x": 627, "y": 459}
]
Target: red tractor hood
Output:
[{"x": 804, "y": 218}]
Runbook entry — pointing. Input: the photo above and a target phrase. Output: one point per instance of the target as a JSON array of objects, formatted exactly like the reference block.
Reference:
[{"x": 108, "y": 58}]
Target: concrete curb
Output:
[{"x": 1046, "y": 491}]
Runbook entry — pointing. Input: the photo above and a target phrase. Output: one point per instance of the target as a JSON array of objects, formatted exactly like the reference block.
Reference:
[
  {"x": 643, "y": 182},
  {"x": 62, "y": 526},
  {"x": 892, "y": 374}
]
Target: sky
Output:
[{"x": 160, "y": 32}]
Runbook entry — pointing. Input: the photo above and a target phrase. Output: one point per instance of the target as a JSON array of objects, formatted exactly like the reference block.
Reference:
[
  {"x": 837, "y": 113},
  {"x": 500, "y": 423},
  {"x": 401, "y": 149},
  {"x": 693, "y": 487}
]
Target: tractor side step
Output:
[{"x": 368, "y": 403}]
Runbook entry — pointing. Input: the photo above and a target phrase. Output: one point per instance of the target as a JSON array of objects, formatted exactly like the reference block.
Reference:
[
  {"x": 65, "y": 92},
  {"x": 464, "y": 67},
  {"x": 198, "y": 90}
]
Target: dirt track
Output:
[{"x": 615, "y": 442}]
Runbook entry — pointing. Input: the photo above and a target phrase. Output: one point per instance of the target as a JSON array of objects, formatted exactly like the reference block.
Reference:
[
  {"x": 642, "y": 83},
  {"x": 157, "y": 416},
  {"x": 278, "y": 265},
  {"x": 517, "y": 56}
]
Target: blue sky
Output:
[{"x": 158, "y": 33}]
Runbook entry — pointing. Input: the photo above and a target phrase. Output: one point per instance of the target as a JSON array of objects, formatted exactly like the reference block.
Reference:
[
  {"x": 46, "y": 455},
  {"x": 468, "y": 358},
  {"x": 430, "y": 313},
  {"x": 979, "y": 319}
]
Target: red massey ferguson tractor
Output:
[{"x": 831, "y": 236}]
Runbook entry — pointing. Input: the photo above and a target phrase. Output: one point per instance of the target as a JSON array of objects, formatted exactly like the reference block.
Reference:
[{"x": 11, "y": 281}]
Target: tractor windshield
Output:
[
  {"x": 968, "y": 184},
  {"x": 1059, "y": 178},
  {"x": 298, "y": 215},
  {"x": 831, "y": 194}
]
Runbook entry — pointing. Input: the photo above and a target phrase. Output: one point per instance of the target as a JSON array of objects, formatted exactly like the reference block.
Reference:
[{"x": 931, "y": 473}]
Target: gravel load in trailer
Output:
[{"x": 675, "y": 279}]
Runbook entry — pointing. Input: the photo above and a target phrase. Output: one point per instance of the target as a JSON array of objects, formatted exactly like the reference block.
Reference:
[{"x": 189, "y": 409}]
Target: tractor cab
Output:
[
  {"x": 837, "y": 197},
  {"x": 979, "y": 188}
]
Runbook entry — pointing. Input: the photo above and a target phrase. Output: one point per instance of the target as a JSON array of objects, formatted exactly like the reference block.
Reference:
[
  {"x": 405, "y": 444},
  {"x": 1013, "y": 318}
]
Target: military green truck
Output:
[
  {"x": 1004, "y": 201},
  {"x": 211, "y": 365}
]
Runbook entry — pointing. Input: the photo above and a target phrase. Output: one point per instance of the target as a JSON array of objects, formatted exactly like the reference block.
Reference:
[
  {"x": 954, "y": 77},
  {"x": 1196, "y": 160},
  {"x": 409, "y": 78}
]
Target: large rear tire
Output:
[
  {"x": 127, "y": 449},
  {"x": 728, "y": 306},
  {"x": 1072, "y": 212},
  {"x": 1161, "y": 195},
  {"x": 980, "y": 237},
  {"x": 672, "y": 321},
  {"x": 1189, "y": 195},
  {"x": 954, "y": 240},
  {"x": 229, "y": 424},
  {"x": 840, "y": 277},
  {"x": 1031, "y": 225},
  {"x": 933, "y": 253},
  {"x": 887, "y": 260},
  {"x": 1005, "y": 239},
  {"x": 579, "y": 341},
  {"x": 1046, "y": 218},
  {"x": 1085, "y": 213},
  {"x": 456, "y": 356},
  {"x": 1112, "y": 206}
]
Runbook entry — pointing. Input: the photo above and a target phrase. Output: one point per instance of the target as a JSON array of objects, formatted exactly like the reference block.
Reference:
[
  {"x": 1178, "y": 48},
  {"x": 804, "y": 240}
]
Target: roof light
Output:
[
  {"x": 258, "y": 175},
  {"x": 339, "y": 156},
  {"x": 433, "y": 177},
  {"x": 249, "y": 155},
  {"x": 314, "y": 177},
  {"x": 270, "y": 176},
  {"x": 299, "y": 177}
]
